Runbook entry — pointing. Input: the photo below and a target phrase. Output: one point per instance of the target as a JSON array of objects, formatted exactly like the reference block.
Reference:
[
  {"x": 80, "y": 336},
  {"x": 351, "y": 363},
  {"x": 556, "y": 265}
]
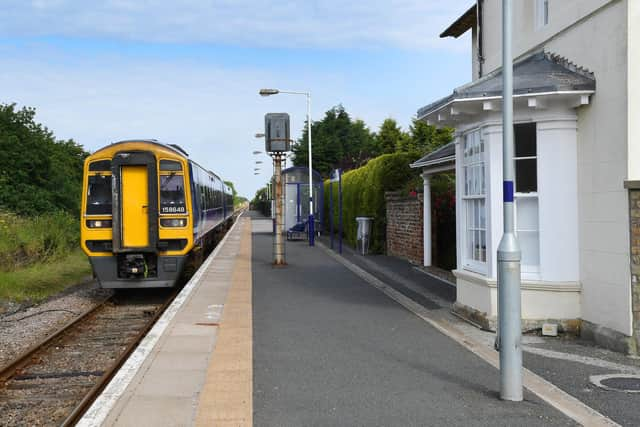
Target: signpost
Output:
[{"x": 277, "y": 143}]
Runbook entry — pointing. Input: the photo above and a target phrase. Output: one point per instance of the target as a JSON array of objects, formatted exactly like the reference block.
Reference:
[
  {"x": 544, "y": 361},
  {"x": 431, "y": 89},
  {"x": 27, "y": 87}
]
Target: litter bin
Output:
[{"x": 364, "y": 233}]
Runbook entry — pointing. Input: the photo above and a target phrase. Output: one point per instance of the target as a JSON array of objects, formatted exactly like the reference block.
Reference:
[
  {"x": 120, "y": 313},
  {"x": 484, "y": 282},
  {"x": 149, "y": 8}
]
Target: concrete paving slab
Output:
[
  {"x": 184, "y": 328},
  {"x": 142, "y": 411},
  {"x": 170, "y": 383},
  {"x": 190, "y": 344},
  {"x": 179, "y": 361}
]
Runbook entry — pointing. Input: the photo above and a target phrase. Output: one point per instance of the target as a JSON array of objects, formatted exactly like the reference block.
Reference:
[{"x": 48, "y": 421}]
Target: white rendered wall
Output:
[
  {"x": 563, "y": 14},
  {"x": 602, "y": 36},
  {"x": 633, "y": 100},
  {"x": 599, "y": 44}
]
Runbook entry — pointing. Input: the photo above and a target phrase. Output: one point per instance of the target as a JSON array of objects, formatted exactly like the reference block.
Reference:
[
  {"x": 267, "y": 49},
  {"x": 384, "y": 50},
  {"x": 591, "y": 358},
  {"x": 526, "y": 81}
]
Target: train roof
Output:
[{"x": 172, "y": 147}]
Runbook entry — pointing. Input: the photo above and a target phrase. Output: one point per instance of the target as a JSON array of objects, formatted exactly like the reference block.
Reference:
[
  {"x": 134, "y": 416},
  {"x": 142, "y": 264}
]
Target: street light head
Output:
[
  {"x": 267, "y": 92},
  {"x": 259, "y": 135},
  {"x": 257, "y": 152}
]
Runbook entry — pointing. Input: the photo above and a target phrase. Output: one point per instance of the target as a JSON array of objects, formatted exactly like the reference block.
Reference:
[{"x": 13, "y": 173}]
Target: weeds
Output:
[
  {"x": 39, "y": 281},
  {"x": 39, "y": 256},
  {"x": 25, "y": 242}
]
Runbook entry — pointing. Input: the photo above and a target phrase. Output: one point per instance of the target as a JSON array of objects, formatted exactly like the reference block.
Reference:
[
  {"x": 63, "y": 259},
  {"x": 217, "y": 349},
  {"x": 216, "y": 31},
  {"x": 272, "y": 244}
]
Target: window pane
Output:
[
  {"x": 483, "y": 246},
  {"x": 526, "y": 176},
  {"x": 476, "y": 213},
  {"x": 99, "y": 195},
  {"x": 529, "y": 245},
  {"x": 525, "y": 139},
  {"x": 100, "y": 165},
  {"x": 527, "y": 213},
  {"x": 172, "y": 194},
  {"x": 170, "y": 165}
]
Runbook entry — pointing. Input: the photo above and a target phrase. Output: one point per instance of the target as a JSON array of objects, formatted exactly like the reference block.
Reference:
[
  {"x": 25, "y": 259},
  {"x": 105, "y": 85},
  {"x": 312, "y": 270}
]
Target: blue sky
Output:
[{"x": 188, "y": 72}]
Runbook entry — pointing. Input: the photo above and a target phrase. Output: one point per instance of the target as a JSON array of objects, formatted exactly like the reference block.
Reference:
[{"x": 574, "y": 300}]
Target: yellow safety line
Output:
[{"x": 227, "y": 396}]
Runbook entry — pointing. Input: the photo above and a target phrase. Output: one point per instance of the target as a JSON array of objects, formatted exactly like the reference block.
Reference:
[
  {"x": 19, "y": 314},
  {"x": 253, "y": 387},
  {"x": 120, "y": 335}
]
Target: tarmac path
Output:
[{"x": 330, "y": 350}]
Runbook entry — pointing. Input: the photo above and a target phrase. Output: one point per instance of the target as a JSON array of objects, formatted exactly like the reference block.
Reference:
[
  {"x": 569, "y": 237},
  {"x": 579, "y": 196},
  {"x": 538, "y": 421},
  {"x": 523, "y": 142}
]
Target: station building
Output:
[{"x": 577, "y": 159}]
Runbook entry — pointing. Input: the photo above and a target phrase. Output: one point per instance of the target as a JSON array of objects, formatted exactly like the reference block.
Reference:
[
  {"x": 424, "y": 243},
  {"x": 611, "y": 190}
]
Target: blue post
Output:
[
  {"x": 311, "y": 221},
  {"x": 298, "y": 206},
  {"x": 340, "y": 209},
  {"x": 331, "y": 211}
]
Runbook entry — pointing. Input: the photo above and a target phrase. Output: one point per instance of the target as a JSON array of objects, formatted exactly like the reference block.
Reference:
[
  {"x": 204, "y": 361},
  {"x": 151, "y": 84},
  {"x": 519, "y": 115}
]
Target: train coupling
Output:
[{"x": 134, "y": 265}]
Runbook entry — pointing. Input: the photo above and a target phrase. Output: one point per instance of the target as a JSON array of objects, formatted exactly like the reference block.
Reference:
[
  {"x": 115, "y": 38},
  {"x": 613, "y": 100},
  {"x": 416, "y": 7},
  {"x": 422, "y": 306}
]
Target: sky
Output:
[{"x": 189, "y": 71}]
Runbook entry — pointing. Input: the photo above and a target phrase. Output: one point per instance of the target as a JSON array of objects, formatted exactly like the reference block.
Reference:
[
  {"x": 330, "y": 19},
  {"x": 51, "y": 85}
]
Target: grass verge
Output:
[{"x": 39, "y": 281}]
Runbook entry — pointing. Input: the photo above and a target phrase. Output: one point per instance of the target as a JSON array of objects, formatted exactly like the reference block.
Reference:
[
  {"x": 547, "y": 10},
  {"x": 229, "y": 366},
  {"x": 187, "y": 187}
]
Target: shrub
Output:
[
  {"x": 363, "y": 195},
  {"x": 27, "y": 241}
]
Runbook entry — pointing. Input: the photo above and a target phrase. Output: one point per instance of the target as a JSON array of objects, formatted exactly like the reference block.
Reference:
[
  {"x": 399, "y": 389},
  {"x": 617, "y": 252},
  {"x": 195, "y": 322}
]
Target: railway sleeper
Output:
[{"x": 49, "y": 375}]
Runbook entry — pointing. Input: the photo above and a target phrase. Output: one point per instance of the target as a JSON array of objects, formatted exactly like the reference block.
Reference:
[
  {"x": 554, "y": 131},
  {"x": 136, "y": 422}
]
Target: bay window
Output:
[{"x": 474, "y": 201}]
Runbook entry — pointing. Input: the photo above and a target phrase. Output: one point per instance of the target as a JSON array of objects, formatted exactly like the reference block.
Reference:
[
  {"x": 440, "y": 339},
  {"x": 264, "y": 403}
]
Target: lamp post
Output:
[
  {"x": 269, "y": 92},
  {"x": 509, "y": 310}
]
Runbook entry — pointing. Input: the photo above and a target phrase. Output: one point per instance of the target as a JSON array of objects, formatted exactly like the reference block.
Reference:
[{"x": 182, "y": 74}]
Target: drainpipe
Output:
[{"x": 479, "y": 26}]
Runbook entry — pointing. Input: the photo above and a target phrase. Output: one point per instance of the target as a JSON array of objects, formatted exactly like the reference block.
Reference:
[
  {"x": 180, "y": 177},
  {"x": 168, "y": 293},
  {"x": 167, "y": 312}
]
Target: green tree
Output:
[
  {"x": 337, "y": 142},
  {"x": 38, "y": 173},
  {"x": 424, "y": 138},
  {"x": 390, "y": 138}
]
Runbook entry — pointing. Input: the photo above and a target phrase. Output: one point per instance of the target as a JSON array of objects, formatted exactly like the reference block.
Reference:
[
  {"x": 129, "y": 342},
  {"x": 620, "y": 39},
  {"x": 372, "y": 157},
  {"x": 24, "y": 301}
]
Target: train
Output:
[{"x": 147, "y": 208}]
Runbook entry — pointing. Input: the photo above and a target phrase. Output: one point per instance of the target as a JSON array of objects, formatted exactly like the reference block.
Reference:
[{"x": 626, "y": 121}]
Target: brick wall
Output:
[
  {"x": 404, "y": 226},
  {"x": 634, "y": 217}
]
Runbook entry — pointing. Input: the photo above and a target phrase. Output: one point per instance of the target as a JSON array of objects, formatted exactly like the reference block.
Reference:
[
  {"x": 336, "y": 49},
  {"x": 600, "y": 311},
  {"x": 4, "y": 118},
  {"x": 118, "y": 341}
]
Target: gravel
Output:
[{"x": 23, "y": 326}]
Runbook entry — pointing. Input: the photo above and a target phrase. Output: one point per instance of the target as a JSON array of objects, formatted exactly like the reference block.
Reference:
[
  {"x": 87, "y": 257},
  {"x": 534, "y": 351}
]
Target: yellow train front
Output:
[{"x": 145, "y": 207}]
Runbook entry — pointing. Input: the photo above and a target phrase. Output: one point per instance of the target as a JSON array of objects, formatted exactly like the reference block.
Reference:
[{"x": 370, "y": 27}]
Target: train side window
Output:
[
  {"x": 172, "y": 194},
  {"x": 99, "y": 195},
  {"x": 170, "y": 165}
]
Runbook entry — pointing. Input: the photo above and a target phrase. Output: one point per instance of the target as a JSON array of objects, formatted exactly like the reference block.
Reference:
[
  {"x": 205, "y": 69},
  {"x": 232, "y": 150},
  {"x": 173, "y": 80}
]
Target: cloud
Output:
[{"x": 310, "y": 24}]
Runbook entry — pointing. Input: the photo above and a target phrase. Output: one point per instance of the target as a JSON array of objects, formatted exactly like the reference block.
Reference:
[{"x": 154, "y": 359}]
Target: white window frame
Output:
[
  {"x": 529, "y": 269},
  {"x": 542, "y": 14},
  {"x": 474, "y": 261}
]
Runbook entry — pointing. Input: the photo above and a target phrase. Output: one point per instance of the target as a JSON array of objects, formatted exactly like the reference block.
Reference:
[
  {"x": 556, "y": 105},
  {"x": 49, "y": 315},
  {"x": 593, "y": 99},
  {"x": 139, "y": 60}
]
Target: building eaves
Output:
[
  {"x": 540, "y": 72},
  {"x": 444, "y": 154},
  {"x": 462, "y": 24}
]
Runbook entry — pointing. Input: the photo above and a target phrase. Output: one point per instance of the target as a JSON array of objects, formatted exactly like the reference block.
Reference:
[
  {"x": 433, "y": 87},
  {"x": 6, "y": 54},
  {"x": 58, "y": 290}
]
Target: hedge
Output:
[{"x": 363, "y": 195}]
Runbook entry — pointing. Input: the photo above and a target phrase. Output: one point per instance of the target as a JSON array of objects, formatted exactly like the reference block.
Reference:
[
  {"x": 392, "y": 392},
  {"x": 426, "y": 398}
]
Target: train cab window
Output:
[
  {"x": 99, "y": 195},
  {"x": 100, "y": 165},
  {"x": 172, "y": 194},
  {"x": 170, "y": 165}
]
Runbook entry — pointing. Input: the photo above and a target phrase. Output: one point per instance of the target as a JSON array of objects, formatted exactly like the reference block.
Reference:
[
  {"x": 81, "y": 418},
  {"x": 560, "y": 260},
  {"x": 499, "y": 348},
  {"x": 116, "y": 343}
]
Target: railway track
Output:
[{"x": 54, "y": 382}]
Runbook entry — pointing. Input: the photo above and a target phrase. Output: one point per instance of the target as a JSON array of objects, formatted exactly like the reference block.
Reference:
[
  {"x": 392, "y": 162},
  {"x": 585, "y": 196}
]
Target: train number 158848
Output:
[{"x": 173, "y": 209}]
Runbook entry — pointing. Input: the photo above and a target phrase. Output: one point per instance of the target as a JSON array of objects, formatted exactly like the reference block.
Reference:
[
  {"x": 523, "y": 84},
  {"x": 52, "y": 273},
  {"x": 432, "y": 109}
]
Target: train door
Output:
[
  {"x": 135, "y": 202},
  {"x": 135, "y": 206}
]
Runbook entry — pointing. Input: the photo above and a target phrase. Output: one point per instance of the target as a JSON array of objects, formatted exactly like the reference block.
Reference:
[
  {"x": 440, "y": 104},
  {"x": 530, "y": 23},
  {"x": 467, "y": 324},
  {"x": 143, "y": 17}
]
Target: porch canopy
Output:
[
  {"x": 441, "y": 160},
  {"x": 538, "y": 80}
]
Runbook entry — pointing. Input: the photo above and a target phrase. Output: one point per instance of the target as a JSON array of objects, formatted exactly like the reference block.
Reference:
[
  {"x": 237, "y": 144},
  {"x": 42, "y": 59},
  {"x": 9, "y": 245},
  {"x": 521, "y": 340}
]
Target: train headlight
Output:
[
  {"x": 173, "y": 222},
  {"x": 99, "y": 223}
]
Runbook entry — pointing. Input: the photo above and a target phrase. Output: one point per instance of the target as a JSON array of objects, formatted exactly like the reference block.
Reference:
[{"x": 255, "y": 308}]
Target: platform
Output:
[
  {"x": 320, "y": 341},
  {"x": 195, "y": 367}
]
